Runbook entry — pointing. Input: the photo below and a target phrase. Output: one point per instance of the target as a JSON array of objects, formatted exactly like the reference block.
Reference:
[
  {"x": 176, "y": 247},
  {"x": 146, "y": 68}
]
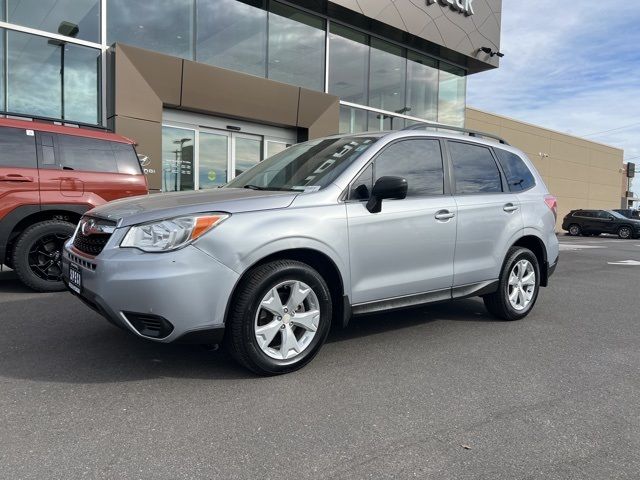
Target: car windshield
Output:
[
  {"x": 306, "y": 167},
  {"x": 616, "y": 214}
]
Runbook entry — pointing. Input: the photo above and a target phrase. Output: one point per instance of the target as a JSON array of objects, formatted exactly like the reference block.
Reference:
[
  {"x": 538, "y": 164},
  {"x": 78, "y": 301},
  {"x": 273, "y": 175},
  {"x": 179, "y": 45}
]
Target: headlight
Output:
[{"x": 170, "y": 234}]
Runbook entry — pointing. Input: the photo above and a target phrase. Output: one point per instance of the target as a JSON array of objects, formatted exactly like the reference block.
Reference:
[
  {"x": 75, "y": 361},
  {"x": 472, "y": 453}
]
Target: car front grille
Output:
[{"x": 92, "y": 239}]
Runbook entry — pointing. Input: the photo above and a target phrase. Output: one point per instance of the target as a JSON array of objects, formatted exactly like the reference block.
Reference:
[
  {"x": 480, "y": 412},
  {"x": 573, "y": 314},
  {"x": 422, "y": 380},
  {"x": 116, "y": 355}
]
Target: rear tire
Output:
[
  {"x": 574, "y": 230},
  {"x": 37, "y": 255},
  {"x": 625, "y": 233},
  {"x": 272, "y": 336},
  {"x": 518, "y": 286}
]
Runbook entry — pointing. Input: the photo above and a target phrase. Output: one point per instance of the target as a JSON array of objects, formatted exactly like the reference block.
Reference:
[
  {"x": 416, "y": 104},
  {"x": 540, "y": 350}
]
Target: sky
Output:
[{"x": 573, "y": 67}]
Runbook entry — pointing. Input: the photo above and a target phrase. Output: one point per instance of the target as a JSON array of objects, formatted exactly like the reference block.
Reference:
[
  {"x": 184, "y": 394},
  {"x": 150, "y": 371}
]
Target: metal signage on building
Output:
[{"x": 462, "y": 6}]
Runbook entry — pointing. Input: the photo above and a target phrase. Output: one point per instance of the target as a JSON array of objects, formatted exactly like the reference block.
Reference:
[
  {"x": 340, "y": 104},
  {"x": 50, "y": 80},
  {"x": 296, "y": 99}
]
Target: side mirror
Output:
[{"x": 386, "y": 187}]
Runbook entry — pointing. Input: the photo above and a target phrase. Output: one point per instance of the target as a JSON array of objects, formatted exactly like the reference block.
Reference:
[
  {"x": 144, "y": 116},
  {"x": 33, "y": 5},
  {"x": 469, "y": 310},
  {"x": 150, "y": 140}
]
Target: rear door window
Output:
[
  {"x": 474, "y": 169},
  {"x": 17, "y": 148},
  {"x": 519, "y": 177}
]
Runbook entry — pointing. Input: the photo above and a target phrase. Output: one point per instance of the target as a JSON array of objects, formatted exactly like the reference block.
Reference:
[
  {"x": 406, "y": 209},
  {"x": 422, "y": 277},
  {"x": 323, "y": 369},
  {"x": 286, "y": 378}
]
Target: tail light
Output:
[{"x": 552, "y": 203}]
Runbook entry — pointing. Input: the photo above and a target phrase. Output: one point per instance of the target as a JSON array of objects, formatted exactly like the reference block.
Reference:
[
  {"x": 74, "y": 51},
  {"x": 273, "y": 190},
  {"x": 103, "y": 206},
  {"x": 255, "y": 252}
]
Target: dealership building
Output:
[{"x": 208, "y": 88}]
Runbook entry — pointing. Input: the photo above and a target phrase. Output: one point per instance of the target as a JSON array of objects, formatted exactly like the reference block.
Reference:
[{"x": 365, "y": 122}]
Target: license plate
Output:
[{"x": 75, "y": 278}]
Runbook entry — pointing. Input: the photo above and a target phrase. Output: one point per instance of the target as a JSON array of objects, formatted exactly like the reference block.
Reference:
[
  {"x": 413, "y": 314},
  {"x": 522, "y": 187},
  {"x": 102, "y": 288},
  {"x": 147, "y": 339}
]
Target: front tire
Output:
[
  {"x": 574, "y": 230},
  {"x": 625, "y": 233},
  {"x": 279, "y": 317},
  {"x": 518, "y": 286},
  {"x": 37, "y": 255}
]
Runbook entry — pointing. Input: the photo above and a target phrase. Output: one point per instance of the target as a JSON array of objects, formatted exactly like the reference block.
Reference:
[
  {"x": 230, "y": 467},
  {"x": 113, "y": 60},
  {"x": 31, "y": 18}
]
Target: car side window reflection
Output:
[{"x": 419, "y": 161}]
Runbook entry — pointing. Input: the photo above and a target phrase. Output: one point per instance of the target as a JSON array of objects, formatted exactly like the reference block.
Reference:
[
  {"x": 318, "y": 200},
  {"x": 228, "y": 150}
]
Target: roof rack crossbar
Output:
[{"x": 441, "y": 126}]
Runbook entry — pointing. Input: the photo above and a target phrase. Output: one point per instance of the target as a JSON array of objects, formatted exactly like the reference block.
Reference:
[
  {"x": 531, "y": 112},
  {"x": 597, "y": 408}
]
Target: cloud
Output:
[{"x": 572, "y": 67}]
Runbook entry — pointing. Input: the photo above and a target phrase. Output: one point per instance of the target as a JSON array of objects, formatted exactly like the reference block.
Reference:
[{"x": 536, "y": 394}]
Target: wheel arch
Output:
[
  {"x": 319, "y": 261},
  {"x": 537, "y": 246},
  {"x": 23, "y": 217}
]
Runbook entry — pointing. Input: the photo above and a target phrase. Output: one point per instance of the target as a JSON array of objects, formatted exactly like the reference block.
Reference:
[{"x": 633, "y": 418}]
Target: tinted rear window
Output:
[
  {"x": 94, "y": 155},
  {"x": 17, "y": 149},
  {"x": 518, "y": 175},
  {"x": 475, "y": 169}
]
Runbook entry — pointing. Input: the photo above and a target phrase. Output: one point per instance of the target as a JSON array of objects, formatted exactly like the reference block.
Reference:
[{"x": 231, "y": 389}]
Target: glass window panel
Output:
[
  {"x": 18, "y": 149},
  {"x": 474, "y": 169},
  {"x": 387, "y": 77},
  {"x": 213, "y": 156},
  {"x": 518, "y": 174},
  {"x": 126, "y": 158},
  {"x": 379, "y": 122},
  {"x": 275, "y": 147},
  {"x": 419, "y": 161},
  {"x": 452, "y": 93},
  {"x": 86, "y": 154},
  {"x": 348, "y": 64},
  {"x": 233, "y": 35},
  {"x": 296, "y": 47},
  {"x": 352, "y": 120},
  {"x": 248, "y": 153},
  {"x": 35, "y": 82},
  {"x": 164, "y": 26},
  {"x": 2, "y": 62},
  {"x": 77, "y": 18},
  {"x": 177, "y": 159},
  {"x": 422, "y": 86}
]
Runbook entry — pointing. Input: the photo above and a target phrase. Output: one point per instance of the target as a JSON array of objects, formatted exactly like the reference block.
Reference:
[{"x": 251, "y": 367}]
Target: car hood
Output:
[{"x": 148, "y": 208}]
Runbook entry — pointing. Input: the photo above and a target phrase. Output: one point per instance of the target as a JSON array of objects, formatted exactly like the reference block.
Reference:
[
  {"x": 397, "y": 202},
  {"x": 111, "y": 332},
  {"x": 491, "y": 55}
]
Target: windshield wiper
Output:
[{"x": 254, "y": 187}]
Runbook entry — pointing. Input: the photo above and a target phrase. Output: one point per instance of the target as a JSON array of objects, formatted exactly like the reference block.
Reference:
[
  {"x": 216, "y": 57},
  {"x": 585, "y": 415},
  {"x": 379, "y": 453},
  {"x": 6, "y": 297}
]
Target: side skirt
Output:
[{"x": 407, "y": 301}]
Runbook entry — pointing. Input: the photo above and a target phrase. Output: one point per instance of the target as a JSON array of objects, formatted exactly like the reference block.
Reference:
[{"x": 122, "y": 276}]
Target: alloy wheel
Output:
[
  {"x": 45, "y": 257},
  {"x": 522, "y": 285},
  {"x": 624, "y": 232},
  {"x": 287, "y": 320}
]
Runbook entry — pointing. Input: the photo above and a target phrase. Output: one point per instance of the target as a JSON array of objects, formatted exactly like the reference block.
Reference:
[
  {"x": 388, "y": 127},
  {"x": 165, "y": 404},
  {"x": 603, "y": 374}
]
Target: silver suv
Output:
[{"x": 327, "y": 229}]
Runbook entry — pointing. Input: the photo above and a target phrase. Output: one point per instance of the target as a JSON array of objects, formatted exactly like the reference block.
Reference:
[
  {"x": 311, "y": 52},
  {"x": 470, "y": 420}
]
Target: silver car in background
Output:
[{"x": 327, "y": 229}]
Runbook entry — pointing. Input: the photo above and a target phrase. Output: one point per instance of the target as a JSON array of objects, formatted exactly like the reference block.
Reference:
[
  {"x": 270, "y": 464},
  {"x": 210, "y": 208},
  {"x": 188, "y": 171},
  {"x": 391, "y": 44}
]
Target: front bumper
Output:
[{"x": 174, "y": 296}]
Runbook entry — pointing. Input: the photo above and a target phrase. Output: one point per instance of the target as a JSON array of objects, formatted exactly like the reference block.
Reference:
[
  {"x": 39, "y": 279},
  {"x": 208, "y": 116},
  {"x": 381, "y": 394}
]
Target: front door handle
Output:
[
  {"x": 510, "y": 208},
  {"x": 444, "y": 215},
  {"x": 13, "y": 177}
]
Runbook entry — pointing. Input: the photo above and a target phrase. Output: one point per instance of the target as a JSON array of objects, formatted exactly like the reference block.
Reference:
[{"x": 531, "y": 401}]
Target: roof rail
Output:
[
  {"x": 55, "y": 121},
  {"x": 441, "y": 126}
]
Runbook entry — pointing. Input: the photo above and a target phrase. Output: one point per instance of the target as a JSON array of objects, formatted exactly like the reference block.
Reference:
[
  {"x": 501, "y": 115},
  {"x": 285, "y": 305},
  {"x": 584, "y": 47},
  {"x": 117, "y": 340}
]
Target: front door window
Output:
[{"x": 214, "y": 159}]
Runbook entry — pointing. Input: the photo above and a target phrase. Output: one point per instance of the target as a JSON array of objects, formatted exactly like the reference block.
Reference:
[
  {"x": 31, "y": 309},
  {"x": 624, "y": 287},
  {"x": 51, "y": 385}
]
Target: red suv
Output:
[{"x": 49, "y": 176}]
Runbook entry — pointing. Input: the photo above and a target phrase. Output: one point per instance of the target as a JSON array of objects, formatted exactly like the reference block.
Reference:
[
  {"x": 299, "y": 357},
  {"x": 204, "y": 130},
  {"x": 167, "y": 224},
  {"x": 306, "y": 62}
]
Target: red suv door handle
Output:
[{"x": 12, "y": 177}]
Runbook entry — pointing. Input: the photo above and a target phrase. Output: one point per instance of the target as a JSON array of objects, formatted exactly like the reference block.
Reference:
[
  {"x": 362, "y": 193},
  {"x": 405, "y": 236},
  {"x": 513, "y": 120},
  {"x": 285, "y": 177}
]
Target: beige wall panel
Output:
[
  {"x": 161, "y": 72},
  {"x": 605, "y": 193},
  {"x": 524, "y": 127},
  {"x": 568, "y": 151},
  {"x": 570, "y": 171},
  {"x": 318, "y": 112},
  {"x": 606, "y": 160},
  {"x": 568, "y": 188},
  {"x": 223, "y": 92},
  {"x": 148, "y": 136},
  {"x": 133, "y": 96},
  {"x": 482, "y": 117},
  {"x": 525, "y": 141},
  {"x": 603, "y": 176}
]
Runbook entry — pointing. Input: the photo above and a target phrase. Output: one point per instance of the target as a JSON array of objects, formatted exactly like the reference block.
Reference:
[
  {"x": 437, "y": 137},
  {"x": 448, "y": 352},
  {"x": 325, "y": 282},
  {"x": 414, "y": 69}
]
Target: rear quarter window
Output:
[
  {"x": 519, "y": 177},
  {"x": 96, "y": 155},
  {"x": 17, "y": 148}
]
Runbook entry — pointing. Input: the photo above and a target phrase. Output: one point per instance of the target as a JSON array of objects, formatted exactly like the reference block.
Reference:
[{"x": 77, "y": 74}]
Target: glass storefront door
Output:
[{"x": 202, "y": 157}]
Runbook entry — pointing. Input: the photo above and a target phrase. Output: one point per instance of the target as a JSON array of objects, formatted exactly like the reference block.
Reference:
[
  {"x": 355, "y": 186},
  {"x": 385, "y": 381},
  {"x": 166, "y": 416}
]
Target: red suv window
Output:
[{"x": 17, "y": 148}]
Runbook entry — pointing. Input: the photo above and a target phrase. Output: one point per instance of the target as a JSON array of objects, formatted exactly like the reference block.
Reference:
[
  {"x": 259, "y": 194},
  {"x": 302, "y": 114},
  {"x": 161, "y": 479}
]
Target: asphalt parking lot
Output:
[{"x": 441, "y": 392}]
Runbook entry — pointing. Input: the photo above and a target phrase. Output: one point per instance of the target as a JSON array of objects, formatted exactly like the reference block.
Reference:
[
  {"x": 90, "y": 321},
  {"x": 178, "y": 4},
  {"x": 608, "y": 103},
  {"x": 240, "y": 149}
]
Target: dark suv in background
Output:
[
  {"x": 50, "y": 175},
  {"x": 595, "y": 222}
]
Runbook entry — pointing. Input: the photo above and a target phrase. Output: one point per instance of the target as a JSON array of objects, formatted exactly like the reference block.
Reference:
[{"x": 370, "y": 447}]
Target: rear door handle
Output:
[
  {"x": 13, "y": 177},
  {"x": 510, "y": 207},
  {"x": 443, "y": 215}
]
